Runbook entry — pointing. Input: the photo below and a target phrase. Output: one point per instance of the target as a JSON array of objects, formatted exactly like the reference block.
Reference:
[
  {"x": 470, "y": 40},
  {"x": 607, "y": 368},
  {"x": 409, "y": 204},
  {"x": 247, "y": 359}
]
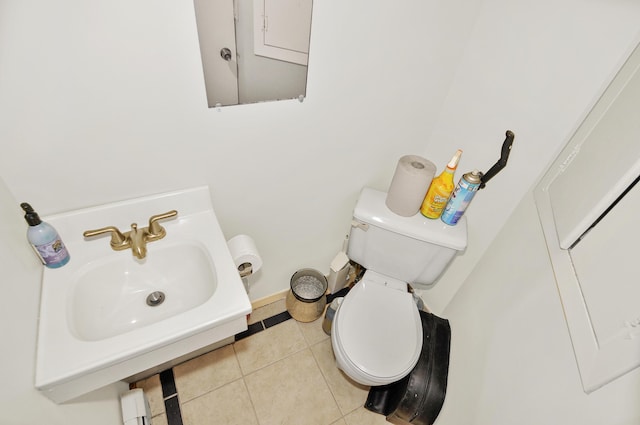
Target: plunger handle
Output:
[{"x": 502, "y": 162}]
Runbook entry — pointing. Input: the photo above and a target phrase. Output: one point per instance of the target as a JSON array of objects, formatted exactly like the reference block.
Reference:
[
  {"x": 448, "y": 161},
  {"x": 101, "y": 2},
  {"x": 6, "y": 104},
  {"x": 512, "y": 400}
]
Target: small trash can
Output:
[{"x": 306, "y": 300}]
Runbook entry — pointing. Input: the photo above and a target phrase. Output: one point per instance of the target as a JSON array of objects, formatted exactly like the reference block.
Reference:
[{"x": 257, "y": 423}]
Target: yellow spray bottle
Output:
[{"x": 440, "y": 190}]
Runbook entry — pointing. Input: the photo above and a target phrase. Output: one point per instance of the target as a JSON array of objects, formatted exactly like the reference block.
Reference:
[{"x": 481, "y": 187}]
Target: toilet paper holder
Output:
[
  {"x": 245, "y": 270},
  {"x": 245, "y": 256}
]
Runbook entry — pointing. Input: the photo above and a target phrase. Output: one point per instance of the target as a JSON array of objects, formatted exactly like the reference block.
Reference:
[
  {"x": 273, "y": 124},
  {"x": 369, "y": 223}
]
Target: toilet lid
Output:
[{"x": 380, "y": 329}]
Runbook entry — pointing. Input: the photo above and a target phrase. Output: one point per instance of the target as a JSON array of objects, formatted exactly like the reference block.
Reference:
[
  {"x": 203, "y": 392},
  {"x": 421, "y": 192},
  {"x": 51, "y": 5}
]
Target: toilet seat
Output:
[{"x": 377, "y": 331}]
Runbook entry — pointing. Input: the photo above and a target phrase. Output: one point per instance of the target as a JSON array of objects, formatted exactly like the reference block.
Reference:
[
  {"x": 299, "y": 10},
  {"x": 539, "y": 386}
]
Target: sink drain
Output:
[{"x": 155, "y": 298}]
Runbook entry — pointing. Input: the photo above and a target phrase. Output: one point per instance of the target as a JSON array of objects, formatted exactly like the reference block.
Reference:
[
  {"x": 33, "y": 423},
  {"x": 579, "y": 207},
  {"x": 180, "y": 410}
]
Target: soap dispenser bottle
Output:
[
  {"x": 440, "y": 190},
  {"x": 45, "y": 239}
]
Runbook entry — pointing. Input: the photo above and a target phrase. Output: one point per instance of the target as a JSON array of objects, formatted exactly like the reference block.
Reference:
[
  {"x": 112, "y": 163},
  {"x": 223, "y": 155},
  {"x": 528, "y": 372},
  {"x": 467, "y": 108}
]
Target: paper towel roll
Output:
[
  {"x": 243, "y": 250},
  {"x": 409, "y": 185}
]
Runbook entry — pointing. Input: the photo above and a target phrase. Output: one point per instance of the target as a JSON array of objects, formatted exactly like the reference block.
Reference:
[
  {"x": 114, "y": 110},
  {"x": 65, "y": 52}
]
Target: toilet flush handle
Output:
[{"x": 360, "y": 225}]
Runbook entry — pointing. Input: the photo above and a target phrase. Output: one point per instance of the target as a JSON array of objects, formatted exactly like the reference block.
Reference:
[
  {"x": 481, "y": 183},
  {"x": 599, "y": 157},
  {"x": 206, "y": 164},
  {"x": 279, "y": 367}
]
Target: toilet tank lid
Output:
[{"x": 371, "y": 208}]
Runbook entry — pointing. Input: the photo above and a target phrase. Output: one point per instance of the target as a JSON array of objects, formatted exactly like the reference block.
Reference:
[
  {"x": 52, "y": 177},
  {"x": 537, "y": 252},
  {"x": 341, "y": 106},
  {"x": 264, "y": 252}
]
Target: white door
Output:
[{"x": 216, "y": 31}]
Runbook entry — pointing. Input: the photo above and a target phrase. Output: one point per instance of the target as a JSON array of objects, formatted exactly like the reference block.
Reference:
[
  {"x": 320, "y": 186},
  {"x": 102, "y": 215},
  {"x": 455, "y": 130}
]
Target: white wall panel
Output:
[{"x": 594, "y": 273}]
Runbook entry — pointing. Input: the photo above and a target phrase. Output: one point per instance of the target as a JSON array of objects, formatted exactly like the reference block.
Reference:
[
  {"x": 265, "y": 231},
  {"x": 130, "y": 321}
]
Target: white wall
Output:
[
  {"x": 511, "y": 356},
  {"x": 20, "y": 402},
  {"x": 106, "y": 101}
]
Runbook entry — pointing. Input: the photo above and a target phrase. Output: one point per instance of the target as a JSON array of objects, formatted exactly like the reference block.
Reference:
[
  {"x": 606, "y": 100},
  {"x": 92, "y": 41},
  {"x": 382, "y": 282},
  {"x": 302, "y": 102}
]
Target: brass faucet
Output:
[{"x": 136, "y": 239}]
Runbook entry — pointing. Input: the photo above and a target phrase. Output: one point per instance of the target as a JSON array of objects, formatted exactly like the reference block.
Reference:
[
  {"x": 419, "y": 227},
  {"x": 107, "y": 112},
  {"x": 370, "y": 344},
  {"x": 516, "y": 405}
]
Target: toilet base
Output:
[{"x": 418, "y": 398}]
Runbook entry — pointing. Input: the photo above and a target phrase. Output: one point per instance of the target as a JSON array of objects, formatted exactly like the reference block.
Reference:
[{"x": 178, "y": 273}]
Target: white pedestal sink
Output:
[{"x": 96, "y": 326}]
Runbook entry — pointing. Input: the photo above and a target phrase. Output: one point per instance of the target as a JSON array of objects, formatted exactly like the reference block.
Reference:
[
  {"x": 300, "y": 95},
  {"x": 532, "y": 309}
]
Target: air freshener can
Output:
[{"x": 461, "y": 197}]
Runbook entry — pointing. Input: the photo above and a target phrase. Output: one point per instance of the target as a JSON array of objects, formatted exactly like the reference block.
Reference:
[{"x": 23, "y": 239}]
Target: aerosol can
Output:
[
  {"x": 471, "y": 182},
  {"x": 461, "y": 197}
]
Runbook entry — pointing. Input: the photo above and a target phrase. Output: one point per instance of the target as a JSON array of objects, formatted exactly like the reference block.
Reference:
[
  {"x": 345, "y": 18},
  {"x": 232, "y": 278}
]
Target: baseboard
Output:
[{"x": 269, "y": 299}]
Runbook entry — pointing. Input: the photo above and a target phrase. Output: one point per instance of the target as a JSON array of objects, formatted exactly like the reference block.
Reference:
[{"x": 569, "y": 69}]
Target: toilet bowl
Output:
[{"x": 377, "y": 331}]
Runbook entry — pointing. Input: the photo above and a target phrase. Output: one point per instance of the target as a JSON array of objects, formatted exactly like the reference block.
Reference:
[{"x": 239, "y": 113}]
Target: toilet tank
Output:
[{"x": 414, "y": 249}]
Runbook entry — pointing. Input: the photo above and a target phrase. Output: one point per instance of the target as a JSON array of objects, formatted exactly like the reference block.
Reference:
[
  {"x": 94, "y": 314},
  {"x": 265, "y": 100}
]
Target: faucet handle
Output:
[
  {"x": 155, "y": 229},
  {"x": 118, "y": 240}
]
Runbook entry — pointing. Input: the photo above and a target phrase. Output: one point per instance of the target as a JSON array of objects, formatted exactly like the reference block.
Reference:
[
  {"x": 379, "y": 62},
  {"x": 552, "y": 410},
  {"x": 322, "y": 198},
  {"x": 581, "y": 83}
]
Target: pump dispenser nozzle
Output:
[{"x": 30, "y": 216}]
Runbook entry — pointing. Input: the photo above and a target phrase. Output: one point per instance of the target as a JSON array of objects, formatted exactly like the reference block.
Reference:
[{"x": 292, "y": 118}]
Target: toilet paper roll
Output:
[
  {"x": 243, "y": 250},
  {"x": 409, "y": 185}
]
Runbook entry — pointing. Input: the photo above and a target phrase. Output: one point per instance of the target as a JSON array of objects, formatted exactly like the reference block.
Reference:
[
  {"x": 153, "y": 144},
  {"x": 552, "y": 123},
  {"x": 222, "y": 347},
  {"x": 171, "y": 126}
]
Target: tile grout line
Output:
[
  {"x": 325, "y": 379},
  {"x": 253, "y": 405}
]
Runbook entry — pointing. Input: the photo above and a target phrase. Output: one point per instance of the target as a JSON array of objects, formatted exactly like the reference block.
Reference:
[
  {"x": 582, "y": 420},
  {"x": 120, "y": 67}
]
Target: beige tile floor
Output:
[{"x": 283, "y": 375}]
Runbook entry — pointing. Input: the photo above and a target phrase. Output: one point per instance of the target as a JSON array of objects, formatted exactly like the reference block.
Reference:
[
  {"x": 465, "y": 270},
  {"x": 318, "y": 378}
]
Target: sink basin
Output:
[
  {"x": 110, "y": 294},
  {"x": 96, "y": 327}
]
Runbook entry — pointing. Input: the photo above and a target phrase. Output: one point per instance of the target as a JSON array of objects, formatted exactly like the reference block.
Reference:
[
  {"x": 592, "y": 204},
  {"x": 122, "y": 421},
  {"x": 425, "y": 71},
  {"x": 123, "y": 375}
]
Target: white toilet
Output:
[{"x": 377, "y": 332}]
